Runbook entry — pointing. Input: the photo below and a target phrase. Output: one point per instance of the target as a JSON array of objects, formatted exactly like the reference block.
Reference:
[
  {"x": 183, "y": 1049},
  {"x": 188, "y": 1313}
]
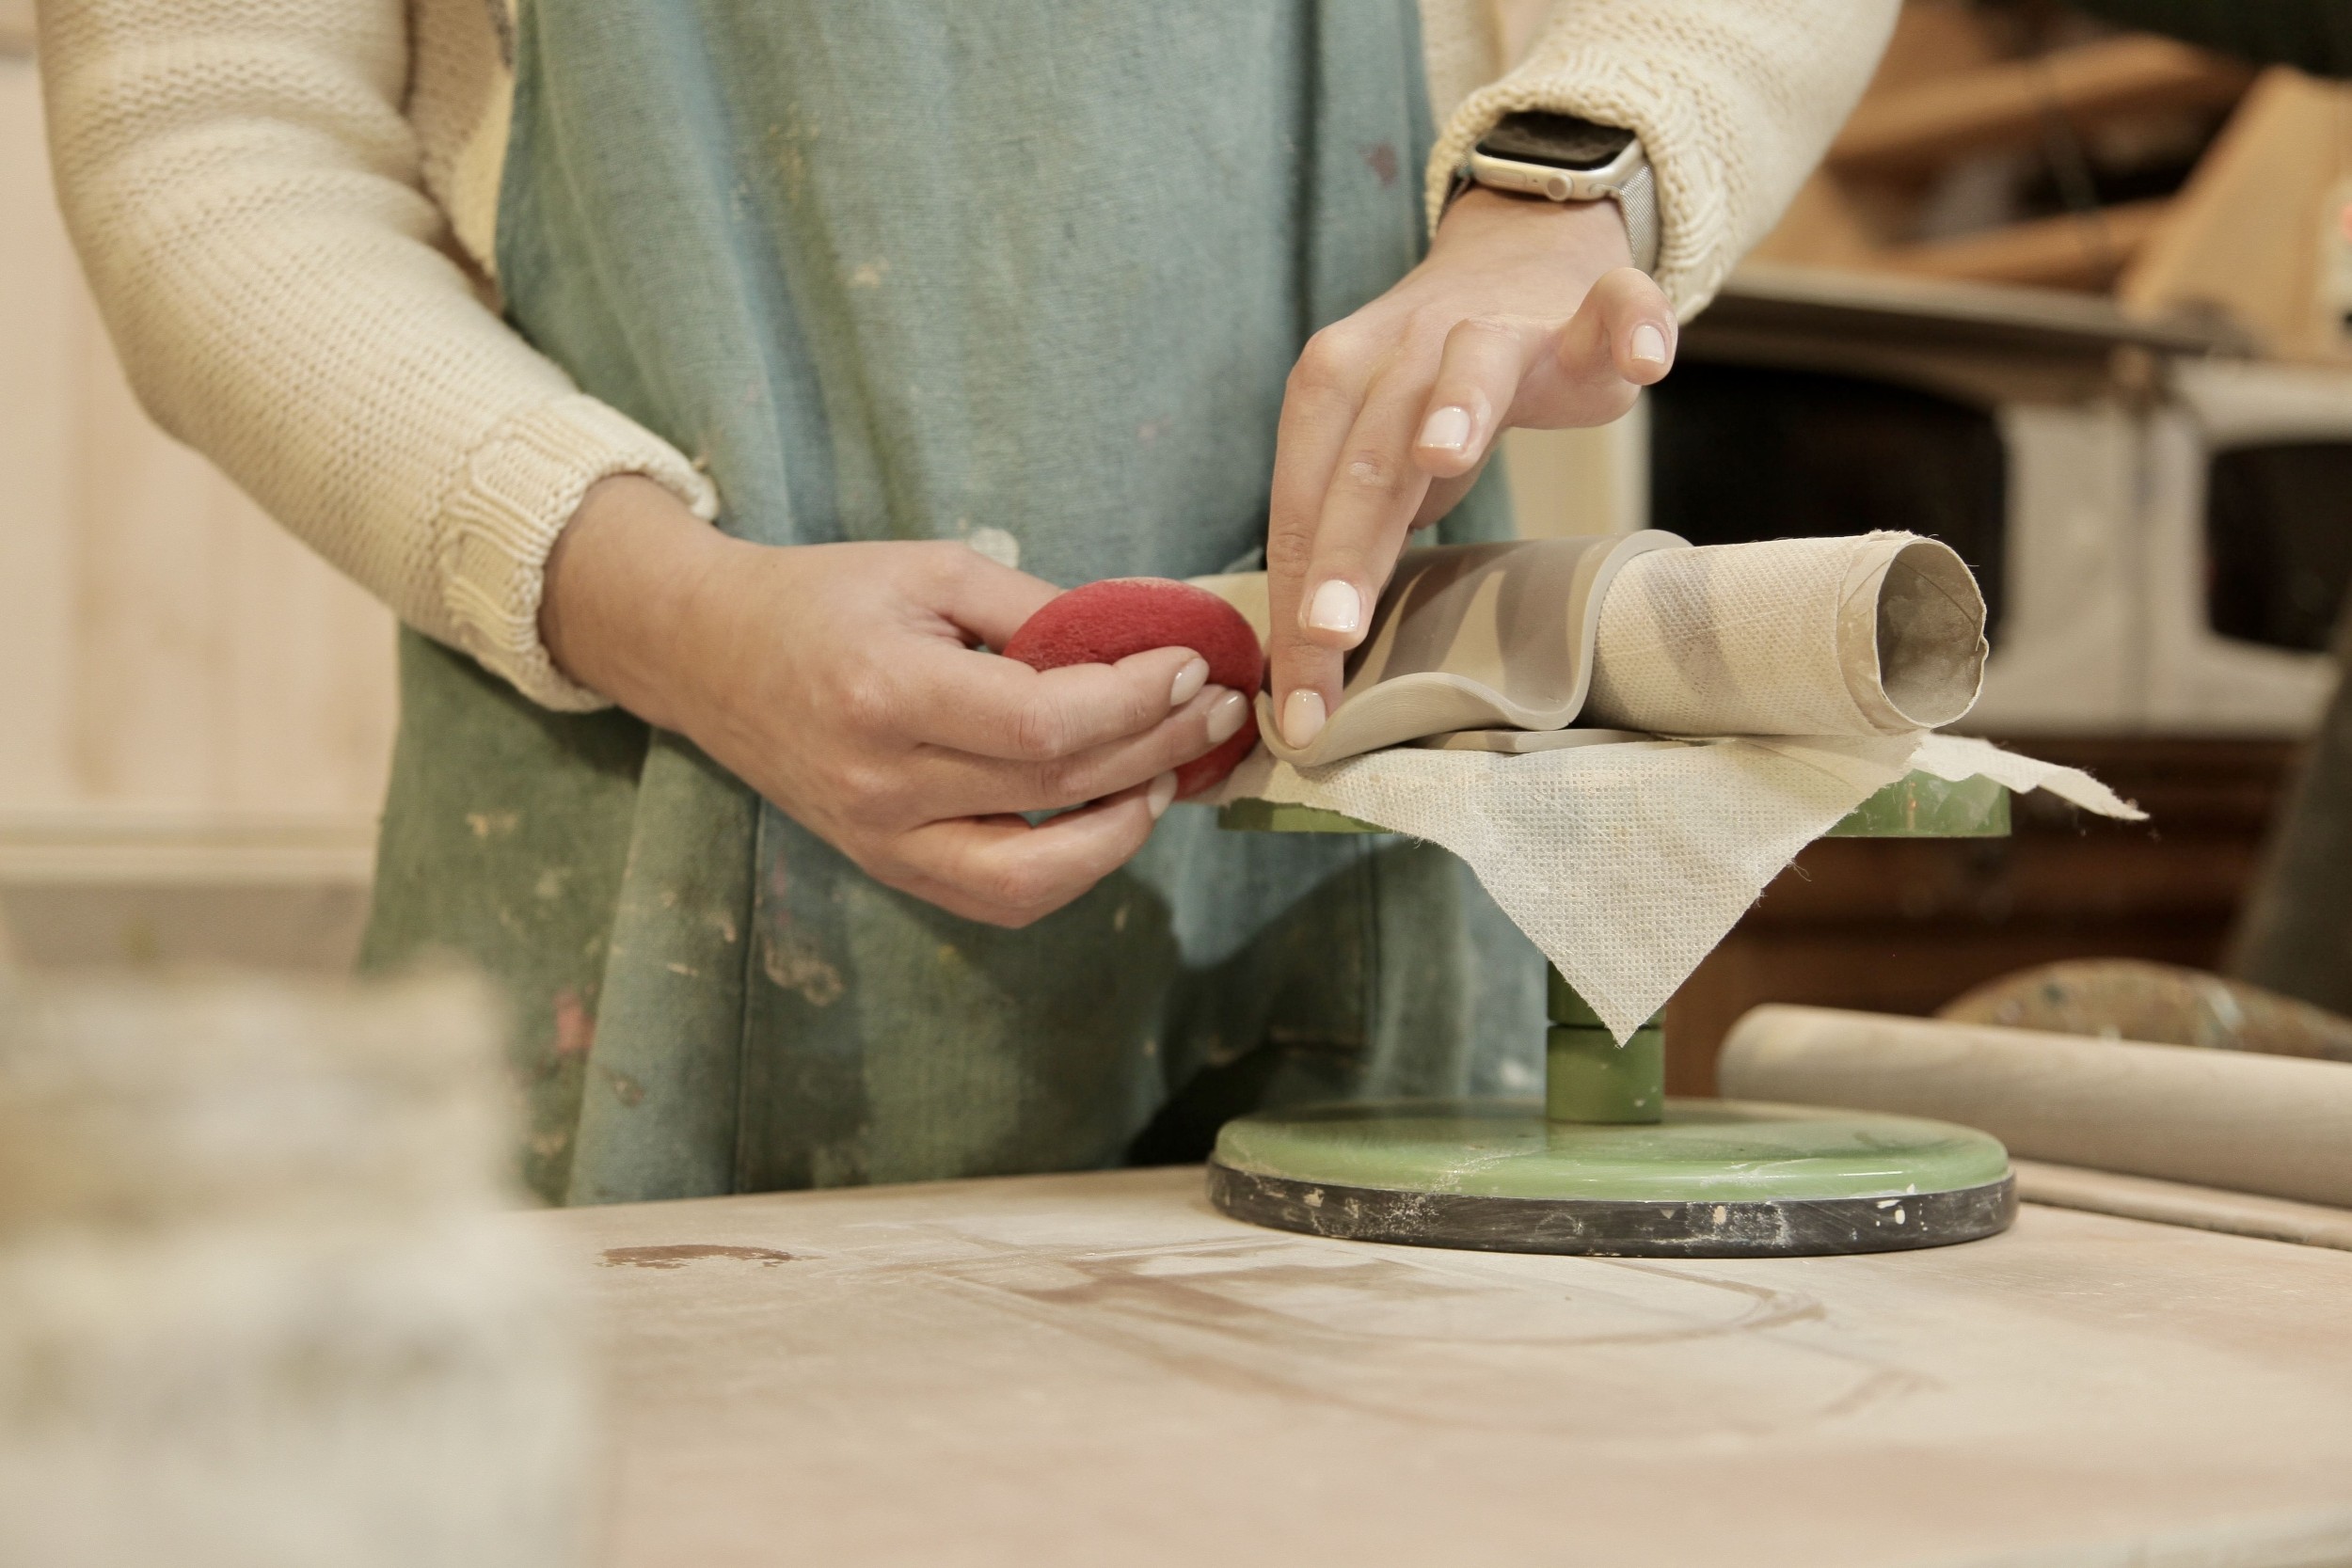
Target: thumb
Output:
[{"x": 1621, "y": 339}]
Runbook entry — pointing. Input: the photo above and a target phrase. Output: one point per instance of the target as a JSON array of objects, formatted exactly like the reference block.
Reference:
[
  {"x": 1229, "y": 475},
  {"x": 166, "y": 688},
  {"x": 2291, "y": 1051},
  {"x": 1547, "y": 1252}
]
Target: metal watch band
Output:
[{"x": 1637, "y": 198}]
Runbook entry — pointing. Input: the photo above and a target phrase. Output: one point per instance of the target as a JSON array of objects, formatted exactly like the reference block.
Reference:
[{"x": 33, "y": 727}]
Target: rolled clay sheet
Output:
[
  {"x": 2274, "y": 1125},
  {"x": 1881, "y": 634},
  {"x": 1474, "y": 637}
]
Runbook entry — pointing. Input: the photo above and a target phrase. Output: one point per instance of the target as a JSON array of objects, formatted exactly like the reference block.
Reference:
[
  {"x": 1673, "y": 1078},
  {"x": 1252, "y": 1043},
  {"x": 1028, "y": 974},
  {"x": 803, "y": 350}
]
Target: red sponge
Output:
[{"x": 1105, "y": 622}]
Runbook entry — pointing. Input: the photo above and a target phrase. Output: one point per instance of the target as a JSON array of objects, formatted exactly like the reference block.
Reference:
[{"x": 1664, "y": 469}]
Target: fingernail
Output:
[
  {"x": 1649, "y": 345},
  {"x": 1302, "y": 717},
  {"x": 1163, "y": 790},
  {"x": 1225, "y": 717},
  {"x": 1447, "y": 429},
  {"x": 1336, "y": 607},
  {"x": 1189, "y": 680}
]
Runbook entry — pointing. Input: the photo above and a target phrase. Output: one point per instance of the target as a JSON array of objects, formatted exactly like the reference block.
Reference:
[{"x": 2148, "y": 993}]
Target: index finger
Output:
[
  {"x": 1358, "y": 533},
  {"x": 982, "y": 597},
  {"x": 993, "y": 707},
  {"x": 1319, "y": 407}
]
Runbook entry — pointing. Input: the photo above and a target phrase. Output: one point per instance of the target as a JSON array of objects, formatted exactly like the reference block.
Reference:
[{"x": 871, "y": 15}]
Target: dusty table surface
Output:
[{"x": 1101, "y": 1368}]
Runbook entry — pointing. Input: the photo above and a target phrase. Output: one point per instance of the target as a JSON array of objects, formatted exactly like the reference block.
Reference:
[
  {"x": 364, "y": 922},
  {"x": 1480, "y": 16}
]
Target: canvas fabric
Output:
[
  {"x": 1626, "y": 864},
  {"x": 1871, "y": 633}
]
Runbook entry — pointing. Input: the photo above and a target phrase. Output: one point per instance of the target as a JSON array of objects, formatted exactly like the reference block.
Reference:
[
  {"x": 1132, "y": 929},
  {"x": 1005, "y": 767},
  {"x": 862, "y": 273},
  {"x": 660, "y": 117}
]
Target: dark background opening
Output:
[
  {"x": 2279, "y": 542},
  {"x": 1740, "y": 452}
]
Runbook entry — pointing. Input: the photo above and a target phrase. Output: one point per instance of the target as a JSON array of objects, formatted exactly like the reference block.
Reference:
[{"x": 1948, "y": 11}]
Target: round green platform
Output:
[
  {"x": 1715, "y": 1179},
  {"x": 1605, "y": 1163}
]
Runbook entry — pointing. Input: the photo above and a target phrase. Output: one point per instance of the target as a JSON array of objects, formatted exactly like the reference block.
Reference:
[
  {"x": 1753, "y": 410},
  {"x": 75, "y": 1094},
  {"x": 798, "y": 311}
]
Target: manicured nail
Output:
[
  {"x": 1447, "y": 429},
  {"x": 1225, "y": 717},
  {"x": 1302, "y": 717},
  {"x": 1163, "y": 790},
  {"x": 1336, "y": 607},
  {"x": 1649, "y": 345},
  {"x": 1189, "y": 680}
]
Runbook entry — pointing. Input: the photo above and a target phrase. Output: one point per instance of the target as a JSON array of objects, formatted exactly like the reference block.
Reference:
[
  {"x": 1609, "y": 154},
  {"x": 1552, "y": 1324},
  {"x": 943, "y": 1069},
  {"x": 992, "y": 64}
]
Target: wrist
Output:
[
  {"x": 1590, "y": 235},
  {"x": 616, "y": 608}
]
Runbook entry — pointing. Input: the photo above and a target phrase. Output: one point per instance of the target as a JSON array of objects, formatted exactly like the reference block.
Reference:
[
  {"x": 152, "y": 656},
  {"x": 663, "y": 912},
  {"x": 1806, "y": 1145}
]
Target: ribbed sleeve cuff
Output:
[
  {"x": 1695, "y": 247},
  {"x": 517, "y": 490}
]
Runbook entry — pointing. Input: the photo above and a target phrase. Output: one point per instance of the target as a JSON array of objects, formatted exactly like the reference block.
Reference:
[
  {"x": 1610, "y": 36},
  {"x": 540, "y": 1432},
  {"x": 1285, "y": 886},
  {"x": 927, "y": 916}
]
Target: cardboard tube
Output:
[{"x": 2276, "y": 1125}]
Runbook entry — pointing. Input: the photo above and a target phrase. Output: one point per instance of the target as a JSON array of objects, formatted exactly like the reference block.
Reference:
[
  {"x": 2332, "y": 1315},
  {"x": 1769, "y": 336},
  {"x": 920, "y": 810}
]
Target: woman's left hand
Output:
[{"x": 1525, "y": 312}]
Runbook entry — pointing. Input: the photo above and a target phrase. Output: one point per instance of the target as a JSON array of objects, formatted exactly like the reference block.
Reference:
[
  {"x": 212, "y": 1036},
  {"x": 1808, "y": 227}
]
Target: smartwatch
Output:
[{"x": 1562, "y": 158}]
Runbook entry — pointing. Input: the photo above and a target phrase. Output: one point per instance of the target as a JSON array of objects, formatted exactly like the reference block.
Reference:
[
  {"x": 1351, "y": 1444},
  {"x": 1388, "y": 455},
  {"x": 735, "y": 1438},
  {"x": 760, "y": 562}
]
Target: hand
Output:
[
  {"x": 1525, "y": 312},
  {"x": 842, "y": 683}
]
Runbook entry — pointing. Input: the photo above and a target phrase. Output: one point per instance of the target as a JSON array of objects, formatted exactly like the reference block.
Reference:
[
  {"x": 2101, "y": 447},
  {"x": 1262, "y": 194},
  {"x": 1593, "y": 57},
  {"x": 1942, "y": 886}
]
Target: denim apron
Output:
[{"x": 908, "y": 269}]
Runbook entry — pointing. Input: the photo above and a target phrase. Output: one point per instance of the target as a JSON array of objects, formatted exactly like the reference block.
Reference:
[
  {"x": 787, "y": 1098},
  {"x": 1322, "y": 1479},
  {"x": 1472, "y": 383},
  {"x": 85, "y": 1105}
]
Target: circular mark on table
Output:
[{"x": 679, "y": 1255}]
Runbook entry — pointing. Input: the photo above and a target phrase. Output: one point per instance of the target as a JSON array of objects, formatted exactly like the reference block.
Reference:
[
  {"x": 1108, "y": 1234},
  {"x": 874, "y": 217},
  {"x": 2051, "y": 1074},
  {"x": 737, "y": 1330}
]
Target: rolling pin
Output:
[{"x": 2276, "y": 1125}]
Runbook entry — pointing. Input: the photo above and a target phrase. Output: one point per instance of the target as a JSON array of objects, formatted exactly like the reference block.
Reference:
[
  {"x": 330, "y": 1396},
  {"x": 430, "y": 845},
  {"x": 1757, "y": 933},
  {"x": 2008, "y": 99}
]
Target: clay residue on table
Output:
[{"x": 681, "y": 1254}]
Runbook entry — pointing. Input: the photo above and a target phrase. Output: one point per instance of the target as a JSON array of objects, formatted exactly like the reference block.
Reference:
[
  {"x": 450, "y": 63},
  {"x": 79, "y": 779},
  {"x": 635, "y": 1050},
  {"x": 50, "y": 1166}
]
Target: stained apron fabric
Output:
[{"x": 909, "y": 269}]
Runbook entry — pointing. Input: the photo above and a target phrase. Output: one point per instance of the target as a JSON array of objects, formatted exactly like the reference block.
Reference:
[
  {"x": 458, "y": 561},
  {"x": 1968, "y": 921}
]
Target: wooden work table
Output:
[{"x": 1102, "y": 1370}]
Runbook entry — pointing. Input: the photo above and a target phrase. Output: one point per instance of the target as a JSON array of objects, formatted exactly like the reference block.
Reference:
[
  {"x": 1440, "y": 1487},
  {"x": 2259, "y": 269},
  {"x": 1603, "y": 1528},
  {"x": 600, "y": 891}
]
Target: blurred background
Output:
[
  {"x": 195, "y": 712},
  {"x": 2072, "y": 293}
]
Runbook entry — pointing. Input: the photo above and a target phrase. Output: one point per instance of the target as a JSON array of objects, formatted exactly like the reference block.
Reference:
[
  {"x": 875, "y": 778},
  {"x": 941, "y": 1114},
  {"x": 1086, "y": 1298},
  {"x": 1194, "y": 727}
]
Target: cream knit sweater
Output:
[{"x": 287, "y": 211}]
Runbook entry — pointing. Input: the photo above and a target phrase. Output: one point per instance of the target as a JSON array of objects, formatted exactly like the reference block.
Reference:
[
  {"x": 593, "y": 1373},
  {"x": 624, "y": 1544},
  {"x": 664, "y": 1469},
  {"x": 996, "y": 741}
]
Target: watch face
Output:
[{"x": 1562, "y": 141}]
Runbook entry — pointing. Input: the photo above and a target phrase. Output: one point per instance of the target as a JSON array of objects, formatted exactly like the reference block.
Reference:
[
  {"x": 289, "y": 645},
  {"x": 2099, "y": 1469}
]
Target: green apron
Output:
[{"x": 905, "y": 269}]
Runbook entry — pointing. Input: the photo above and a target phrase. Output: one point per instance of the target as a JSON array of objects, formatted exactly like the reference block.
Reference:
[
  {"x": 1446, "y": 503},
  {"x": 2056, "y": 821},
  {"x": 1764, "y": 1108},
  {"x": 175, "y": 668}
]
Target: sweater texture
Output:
[{"x": 287, "y": 212}]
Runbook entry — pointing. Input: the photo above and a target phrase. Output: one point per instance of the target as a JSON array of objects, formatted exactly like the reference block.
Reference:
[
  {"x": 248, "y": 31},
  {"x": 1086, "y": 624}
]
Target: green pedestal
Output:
[
  {"x": 1606, "y": 1164},
  {"x": 1588, "y": 1077}
]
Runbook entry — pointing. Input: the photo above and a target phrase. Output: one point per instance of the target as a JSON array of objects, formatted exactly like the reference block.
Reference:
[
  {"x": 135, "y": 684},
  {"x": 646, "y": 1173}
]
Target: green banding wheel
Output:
[
  {"x": 1704, "y": 1151},
  {"x": 1606, "y": 1164},
  {"x": 1715, "y": 1179},
  {"x": 1824, "y": 1228}
]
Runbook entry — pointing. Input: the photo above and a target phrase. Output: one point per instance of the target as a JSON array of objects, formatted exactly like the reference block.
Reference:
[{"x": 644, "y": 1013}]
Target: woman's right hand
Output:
[{"x": 843, "y": 683}]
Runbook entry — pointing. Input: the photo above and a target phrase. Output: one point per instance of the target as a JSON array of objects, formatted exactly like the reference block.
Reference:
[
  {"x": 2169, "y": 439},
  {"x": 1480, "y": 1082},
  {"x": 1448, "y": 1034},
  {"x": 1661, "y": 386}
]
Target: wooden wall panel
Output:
[
  {"x": 166, "y": 647},
  {"x": 38, "y": 358}
]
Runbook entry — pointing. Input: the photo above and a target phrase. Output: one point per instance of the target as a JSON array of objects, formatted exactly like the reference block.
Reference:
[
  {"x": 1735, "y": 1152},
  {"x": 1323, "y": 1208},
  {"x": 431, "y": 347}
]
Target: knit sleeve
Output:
[
  {"x": 1735, "y": 101},
  {"x": 244, "y": 193}
]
